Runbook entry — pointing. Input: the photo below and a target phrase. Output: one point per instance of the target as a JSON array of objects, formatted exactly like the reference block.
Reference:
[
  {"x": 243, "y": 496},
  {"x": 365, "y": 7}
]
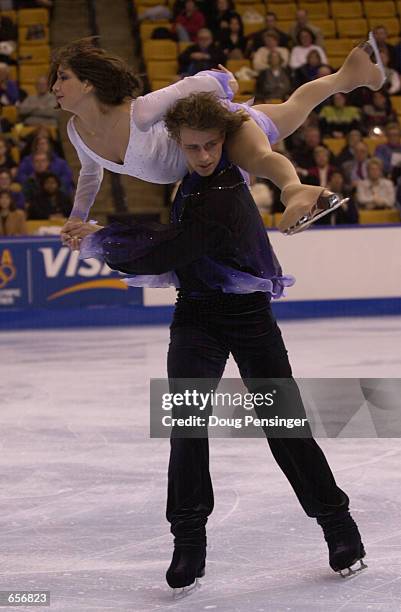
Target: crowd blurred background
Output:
[{"x": 350, "y": 144}]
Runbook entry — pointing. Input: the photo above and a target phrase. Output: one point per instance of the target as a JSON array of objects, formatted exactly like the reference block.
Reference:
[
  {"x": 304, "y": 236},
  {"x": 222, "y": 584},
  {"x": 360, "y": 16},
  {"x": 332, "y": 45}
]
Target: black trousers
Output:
[{"x": 203, "y": 334}]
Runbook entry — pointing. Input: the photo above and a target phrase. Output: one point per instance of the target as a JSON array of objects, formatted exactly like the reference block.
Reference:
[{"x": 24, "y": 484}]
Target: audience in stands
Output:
[
  {"x": 378, "y": 112},
  {"x": 348, "y": 212},
  {"x": 49, "y": 202},
  {"x": 39, "y": 108},
  {"x": 302, "y": 22},
  {"x": 188, "y": 22},
  {"x": 12, "y": 221},
  {"x": 393, "y": 82},
  {"x": 6, "y": 183},
  {"x": 347, "y": 153},
  {"x": 306, "y": 42},
  {"x": 270, "y": 43},
  {"x": 390, "y": 151},
  {"x": 381, "y": 36},
  {"x": 7, "y": 161},
  {"x": 321, "y": 171},
  {"x": 375, "y": 192},
  {"x": 303, "y": 155},
  {"x": 256, "y": 39},
  {"x": 9, "y": 90},
  {"x": 204, "y": 55},
  {"x": 57, "y": 165},
  {"x": 338, "y": 118},
  {"x": 356, "y": 169},
  {"x": 274, "y": 82},
  {"x": 42, "y": 131},
  {"x": 220, "y": 16},
  {"x": 232, "y": 39},
  {"x": 308, "y": 71}
]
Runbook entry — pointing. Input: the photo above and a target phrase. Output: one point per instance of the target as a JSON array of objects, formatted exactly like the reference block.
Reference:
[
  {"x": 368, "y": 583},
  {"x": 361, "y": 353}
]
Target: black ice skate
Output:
[
  {"x": 324, "y": 206},
  {"x": 346, "y": 550},
  {"x": 187, "y": 565}
]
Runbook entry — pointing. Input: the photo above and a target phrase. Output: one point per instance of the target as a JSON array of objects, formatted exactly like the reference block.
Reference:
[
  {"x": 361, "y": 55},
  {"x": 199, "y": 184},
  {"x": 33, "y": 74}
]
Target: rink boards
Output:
[{"x": 346, "y": 271}]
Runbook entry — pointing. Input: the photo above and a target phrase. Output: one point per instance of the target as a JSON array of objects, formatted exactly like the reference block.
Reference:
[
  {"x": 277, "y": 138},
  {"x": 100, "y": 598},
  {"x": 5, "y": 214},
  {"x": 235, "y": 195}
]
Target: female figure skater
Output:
[{"x": 112, "y": 129}]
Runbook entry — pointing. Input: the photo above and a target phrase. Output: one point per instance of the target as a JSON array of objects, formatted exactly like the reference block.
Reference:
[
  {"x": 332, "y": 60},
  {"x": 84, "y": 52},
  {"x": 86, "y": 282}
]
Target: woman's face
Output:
[
  {"x": 305, "y": 38},
  {"x": 5, "y": 180},
  {"x": 5, "y": 201},
  {"x": 222, "y": 5},
  {"x": 69, "y": 90},
  {"x": 3, "y": 148},
  {"x": 50, "y": 185},
  {"x": 42, "y": 145},
  {"x": 374, "y": 171},
  {"x": 313, "y": 59},
  {"x": 234, "y": 25},
  {"x": 321, "y": 158},
  {"x": 339, "y": 100}
]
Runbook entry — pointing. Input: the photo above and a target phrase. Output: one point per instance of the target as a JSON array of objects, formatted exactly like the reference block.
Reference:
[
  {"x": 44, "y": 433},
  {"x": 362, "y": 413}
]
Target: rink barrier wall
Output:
[{"x": 340, "y": 272}]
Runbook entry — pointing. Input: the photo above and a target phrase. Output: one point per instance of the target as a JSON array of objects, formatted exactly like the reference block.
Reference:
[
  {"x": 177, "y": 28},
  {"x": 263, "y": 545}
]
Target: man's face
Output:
[
  {"x": 204, "y": 38},
  {"x": 41, "y": 86},
  {"x": 202, "y": 149},
  {"x": 40, "y": 163},
  {"x": 393, "y": 137}
]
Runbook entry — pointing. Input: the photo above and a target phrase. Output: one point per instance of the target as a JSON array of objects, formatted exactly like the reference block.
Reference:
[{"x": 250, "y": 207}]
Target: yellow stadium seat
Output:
[
  {"x": 336, "y": 61},
  {"x": 352, "y": 28},
  {"x": 233, "y": 65},
  {"x": 21, "y": 131},
  {"x": 184, "y": 44},
  {"x": 346, "y": 10},
  {"x": 160, "y": 83},
  {"x": 146, "y": 29},
  {"x": 396, "y": 104},
  {"x": 380, "y": 9},
  {"x": 29, "y": 88},
  {"x": 159, "y": 50},
  {"x": 277, "y": 219},
  {"x": 15, "y": 154},
  {"x": 34, "y": 54},
  {"x": 315, "y": 9},
  {"x": 283, "y": 11},
  {"x": 391, "y": 24},
  {"x": 246, "y": 86},
  {"x": 336, "y": 46},
  {"x": 140, "y": 3},
  {"x": 335, "y": 145},
  {"x": 10, "y": 113},
  {"x": 241, "y": 98},
  {"x": 267, "y": 219},
  {"x": 251, "y": 28},
  {"x": 244, "y": 9},
  {"x": 371, "y": 217},
  {"x": 30, "y": 73},
  {"x": 393, "y": 40},
  {"x": 327, "y": 26},
  {"x": 27, "y": 17},
  {"x": 25, "y": 36},
  {"x": 373, "y": 142},
  {"x": 10, "y": 14},
  {"x": 161, "y": 70},
  {"x": 12, "y": 73},
  {"x": 399, "y": 7}
]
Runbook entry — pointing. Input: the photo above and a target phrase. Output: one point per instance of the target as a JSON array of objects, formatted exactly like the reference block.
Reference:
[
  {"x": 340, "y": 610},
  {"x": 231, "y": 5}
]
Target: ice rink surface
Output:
[{"x": 83, "y": 487}]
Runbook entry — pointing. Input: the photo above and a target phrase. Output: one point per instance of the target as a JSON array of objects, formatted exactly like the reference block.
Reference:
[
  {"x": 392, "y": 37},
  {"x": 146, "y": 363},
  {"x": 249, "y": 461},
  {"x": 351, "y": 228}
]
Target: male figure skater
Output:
[{"x": 218, "y": 251}]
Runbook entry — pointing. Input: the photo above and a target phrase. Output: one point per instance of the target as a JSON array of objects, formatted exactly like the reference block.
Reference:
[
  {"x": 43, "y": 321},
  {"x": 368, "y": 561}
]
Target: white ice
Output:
[{"x": 83, "y": 487}]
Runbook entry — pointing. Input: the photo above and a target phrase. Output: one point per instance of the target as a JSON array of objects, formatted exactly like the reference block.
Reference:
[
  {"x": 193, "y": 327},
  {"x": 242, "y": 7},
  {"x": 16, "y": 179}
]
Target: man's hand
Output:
[
  {"x": 233, "y": 83},
  {"x": 72, "y": 223},
  {"x": 75, "y": 230}
]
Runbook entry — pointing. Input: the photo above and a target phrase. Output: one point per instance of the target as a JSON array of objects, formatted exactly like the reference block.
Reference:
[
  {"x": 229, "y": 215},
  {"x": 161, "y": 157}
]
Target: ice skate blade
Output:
[
  {"x": 317, "y": 213},
  {"x": 351, "y": 572},
  {"x": 379, "y": 63},
  {"x": 182, "y": 592}
]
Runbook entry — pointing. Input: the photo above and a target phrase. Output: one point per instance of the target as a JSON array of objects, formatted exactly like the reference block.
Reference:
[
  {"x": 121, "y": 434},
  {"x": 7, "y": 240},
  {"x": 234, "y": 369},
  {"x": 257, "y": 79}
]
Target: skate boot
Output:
[
  {"x": 344, "y": 541},
  {"x": 187, "y": 565}
]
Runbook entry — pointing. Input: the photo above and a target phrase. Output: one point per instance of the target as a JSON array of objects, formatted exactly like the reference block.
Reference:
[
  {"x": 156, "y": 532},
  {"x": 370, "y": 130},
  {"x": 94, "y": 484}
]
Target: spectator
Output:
[
  {"x": 324, "y": 70},
  {"x": 390, "y": 152},
  {"x": 30, "y": 139},
  {"x": 188, "y": 23},
  {"x": 274, "y": 82},
  {"x": 12, "y": 220},
  {"x": 356, "y": 169},
  {"x": 338, "y": 118},
  {"x": 262, "y": 194},
  {"x": 304, "y": 154},
  {"x": 39, "y": 108},
  {"x": 378, "y": 112},
  {"x": 348, "y": 152},
  {"x": 308, "y": 71},
  {"x": 220, "y": 17},
  {"x": 270, "y": 43},
  {"x": 302, "y": 22},
  {"x": 393, "y": 83},
  {"x": 31, "y": 186},
  {"x": 348, "y": 212},
  {"x": 306, "y": 41},
  {"x": 232, "y": 39},
  {"x": 256, "y": 40},
  {"x": 7, "y": 184},
  {"x": 375, "y": 192},
  {"x": 381, "y": 36},
  {"x": 6, "y": 160},
  {"x": 204, "y": 55},
  {"x": 9, "y": 91},
  {"x": 397, "y": 58},
  {"x": 57, "y": 166},
  {"x": 321, "y": 171},
  {"x": 49, "y": 202}
]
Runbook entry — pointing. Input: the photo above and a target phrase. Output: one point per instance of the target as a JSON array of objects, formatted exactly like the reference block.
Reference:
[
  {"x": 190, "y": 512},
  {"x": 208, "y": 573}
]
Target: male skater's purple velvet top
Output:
[
  {"x": 151, "y": 154},
  {"x": 216, "y": 242}
]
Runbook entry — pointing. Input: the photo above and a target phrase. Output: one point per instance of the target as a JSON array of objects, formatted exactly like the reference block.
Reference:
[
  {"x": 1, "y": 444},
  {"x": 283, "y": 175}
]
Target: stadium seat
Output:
[
  {"x": 246, "y": 9},
  {"x": 27, "y": 17},
  {"x": 159, "y": 50},
  {"x": 267, "y": 218},
  {"x": 160, "y": 83},
  {"x": 29, "y": 88},
  {"x": 12, "y": 71},
  {"x": 371, "y": 217},
  {"x": 336, "y": 61},
  {"x": 396, "y": 104},
  {"x": 39, "y": 54},
  {"x": 391, "y": 24},
  {"x": 352, "y": 28},
  {"x": 327, "y": 27},
  {"x": 380, "y": 9},
  {"x": 335, "y": 145},
  {"x": 26, "y": 36},
  {"x": 338, "y": 47},
  {"x": 161, "y": 70},
  {"x": 373, "y": 142},
  {"x": 16, "y": 155},
  {"x": 183, "y": 44},
  {"x": 10, "y": 14},
  {"x": 283, "y": 11},
  {"x": 251, "y": 28},
  {"x": 21, "y": 131},
  {"x": 146, "y": 29},
  {"x": 30, "y": 73},
  {"x": 147, "y": 3},
  {"x": 10, "y": 113},
  {"x": 246, "y": 86},
  {"x": 234, "y": 65},
  {"x": 315, "y": 9},
  {"x": 345, "y": 10}
]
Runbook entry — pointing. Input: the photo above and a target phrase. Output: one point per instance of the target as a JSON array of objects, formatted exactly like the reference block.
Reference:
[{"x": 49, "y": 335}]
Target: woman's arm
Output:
[{"x": 151, "y": 108}]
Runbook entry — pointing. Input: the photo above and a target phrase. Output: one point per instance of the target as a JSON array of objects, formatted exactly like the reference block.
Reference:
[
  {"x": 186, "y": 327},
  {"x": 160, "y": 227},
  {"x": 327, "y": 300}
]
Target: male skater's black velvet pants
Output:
[{"x": 203, "y": 333}]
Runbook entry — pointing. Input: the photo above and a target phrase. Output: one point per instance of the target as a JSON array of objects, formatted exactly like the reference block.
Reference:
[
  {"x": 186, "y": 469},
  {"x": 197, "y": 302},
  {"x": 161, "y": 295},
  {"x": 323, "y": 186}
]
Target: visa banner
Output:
[{"x": 42, "y": 273}]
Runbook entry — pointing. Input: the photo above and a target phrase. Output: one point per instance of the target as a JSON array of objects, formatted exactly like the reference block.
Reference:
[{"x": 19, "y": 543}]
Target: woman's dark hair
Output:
[
  {"x": 113, "y": 80},
  {"x": 35, "y": 143},
  {"x": 10, "y": 195},
  {"x": 202, "y": 111},
  {"x": 46, "y": 175},
  {"x": 238, "y": 17},
  {"x": 309, "y": 32}
]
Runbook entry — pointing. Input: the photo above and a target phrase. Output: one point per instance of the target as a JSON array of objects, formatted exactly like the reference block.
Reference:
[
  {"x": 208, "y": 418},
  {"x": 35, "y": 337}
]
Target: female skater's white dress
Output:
[{"x": 151, "y": 154}]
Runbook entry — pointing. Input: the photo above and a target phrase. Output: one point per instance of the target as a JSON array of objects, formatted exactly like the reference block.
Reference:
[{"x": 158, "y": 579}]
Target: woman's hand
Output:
[
  {"x": 233, "y": 83},
  {"x": 77, "y": 231}
]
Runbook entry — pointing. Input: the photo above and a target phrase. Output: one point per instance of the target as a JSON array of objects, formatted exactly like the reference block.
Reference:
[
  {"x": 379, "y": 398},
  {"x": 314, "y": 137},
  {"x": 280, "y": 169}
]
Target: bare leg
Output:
[{"x": 357, "y": 71}]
